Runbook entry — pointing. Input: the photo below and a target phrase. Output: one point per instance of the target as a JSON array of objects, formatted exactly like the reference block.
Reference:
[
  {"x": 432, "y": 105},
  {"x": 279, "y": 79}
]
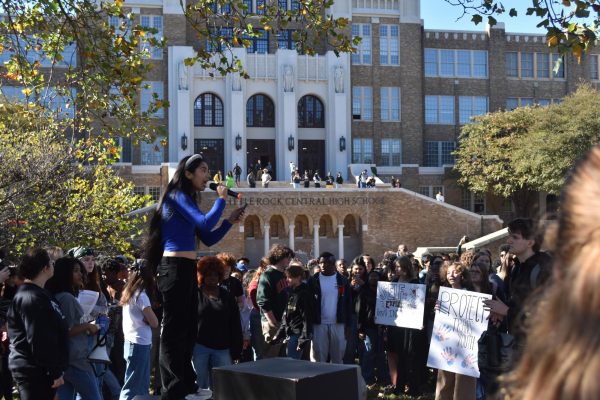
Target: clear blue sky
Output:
[{"x": 438, "y": 14}]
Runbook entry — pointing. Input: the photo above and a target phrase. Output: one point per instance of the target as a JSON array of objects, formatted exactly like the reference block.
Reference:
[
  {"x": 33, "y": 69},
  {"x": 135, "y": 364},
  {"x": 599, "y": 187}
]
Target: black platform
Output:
[{"x": 285, "y": 379}]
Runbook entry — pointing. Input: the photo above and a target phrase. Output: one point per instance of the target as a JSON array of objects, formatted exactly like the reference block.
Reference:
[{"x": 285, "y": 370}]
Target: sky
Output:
[{"x": 438, "y": 14}]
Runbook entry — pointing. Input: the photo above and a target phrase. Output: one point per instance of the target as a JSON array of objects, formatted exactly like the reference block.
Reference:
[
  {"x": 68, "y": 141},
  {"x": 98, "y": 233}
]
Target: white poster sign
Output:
[
  {"x": 400, "y": 304},
  {"x": 458, "y": 325}
]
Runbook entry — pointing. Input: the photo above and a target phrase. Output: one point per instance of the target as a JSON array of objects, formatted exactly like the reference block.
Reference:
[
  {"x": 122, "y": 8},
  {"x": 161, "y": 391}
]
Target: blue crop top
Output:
[{"x": 181, "y": 217}]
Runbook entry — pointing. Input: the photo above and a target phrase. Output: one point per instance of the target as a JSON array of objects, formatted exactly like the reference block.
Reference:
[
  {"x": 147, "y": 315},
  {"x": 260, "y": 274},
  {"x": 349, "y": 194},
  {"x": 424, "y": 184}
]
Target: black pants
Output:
[
  {"x": 38, "y": 388},
  {"x": 176, "y": 281}
]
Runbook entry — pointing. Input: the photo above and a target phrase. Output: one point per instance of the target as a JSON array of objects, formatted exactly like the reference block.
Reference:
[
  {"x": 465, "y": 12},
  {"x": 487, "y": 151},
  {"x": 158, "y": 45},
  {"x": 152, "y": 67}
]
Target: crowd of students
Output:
[{"x": 322, "y": 311}]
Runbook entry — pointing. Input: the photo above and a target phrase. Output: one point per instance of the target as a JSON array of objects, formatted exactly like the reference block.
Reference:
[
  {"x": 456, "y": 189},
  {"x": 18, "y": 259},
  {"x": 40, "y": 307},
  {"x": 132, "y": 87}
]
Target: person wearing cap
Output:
[{"x": 170, "y": 249}]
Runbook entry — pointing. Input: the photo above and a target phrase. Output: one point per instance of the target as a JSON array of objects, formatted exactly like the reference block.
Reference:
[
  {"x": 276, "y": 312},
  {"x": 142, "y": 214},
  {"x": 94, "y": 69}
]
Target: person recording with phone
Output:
[{"x": 171, "y": 249}]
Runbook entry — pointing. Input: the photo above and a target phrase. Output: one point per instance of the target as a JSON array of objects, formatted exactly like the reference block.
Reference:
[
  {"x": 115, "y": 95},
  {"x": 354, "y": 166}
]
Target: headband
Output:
[{"x": 192, "y": 159}]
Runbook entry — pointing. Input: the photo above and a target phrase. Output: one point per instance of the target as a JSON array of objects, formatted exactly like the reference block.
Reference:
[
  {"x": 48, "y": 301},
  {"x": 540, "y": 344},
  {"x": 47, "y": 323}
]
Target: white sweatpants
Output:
[{"x": 328, "y": 340}]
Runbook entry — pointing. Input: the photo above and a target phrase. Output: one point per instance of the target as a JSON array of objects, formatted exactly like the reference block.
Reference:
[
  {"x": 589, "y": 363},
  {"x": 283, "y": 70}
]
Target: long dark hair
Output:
[
  {"x": 153, "y": 245},
  {"x": 62, "y": 280},
  {"x": 142, "y": 278}
]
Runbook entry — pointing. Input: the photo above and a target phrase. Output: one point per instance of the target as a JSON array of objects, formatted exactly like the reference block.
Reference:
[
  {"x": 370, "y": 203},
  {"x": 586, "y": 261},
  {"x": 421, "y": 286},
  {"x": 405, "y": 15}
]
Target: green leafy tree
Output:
[
  {"x": 572, "y": 26},
  {"x": 561, "y": 134},
  {"x": 48, "y": 199},
  {"x": 485, "y": 156}
]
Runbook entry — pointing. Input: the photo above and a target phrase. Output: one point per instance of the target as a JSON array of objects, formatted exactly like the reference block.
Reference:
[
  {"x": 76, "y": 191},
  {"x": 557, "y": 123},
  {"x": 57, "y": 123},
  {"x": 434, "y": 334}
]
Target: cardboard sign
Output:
[
  {"x": 458, "y": 325},
  {"x": 400, "y": 304}
]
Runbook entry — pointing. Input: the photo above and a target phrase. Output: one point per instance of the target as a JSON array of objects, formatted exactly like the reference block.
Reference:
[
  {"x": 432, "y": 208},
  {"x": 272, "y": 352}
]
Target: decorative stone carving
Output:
[
  {"x": 338, "y": 79},
  {"x": 288, "y": 78},
  {"x": 236, "y": 82},
  {"x": 182, "y": 75}
]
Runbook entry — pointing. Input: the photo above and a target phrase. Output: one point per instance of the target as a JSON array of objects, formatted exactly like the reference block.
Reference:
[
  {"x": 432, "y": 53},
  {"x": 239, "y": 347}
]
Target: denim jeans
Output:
[
  {"x": 137, "y": 373},
  {"x": 79, "y": 381},
  {"x": 292, "y": 346},
  {"x": 176, "y": 281},
  {"x": 205, "y": 359}
]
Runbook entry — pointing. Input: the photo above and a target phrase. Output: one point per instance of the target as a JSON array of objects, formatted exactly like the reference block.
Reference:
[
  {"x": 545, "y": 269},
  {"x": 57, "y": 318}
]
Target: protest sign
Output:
[
  {"x": 458, "y": 325},
  {"x": 400, "y": 304}
]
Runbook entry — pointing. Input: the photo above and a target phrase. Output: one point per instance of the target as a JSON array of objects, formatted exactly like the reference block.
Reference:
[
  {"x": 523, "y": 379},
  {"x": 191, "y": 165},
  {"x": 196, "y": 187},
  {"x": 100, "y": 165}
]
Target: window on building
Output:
[
  {"x": 125, "y": 145},
  {"x": 362, "y": 151},
  {"x": 526, "y": 65},
  {"x": 139, "y": 190},
  {"x": 594, "y": 74},
  {"x": 260, "y": 111},
  {"x": 155, "y": 22},
  {"x": 260, "y": 7},
  {"x": 283, "y": 4},
  {"x": 439, "y": 110},
  {"x": 391, "y": 152},
  {"x": 295, "y": 5},
  {"x": 363, "y": 55},
  {"x": 248, "y": 5},
  {"x": 438, "y": 153},
  {"x": 533, "y": 65},
  {"x": 311, "y": 113},
  {"x": 456, "y": 63},
  {"x": 151, "y": 92},
  {"x": 208, "y": 110},
  {"x": 512, "y": 64},
  {"x": 471, "y": 106},
  {"x": 154, "y": 191},
  {"x": 474, "y": 202},
  {"x": 390, "y": 103},
  {"x": 362, "y": 103},
  {"x": 60, "y": 103},
  {"x": 258, "y": 44},
  {"x": 389, "y": 45},
  {"x": 285, "y": 39},
  {"x": 220, "y": 38},
  {"x": 152, "y": 153},
  {"x": 514, "y": 102}
]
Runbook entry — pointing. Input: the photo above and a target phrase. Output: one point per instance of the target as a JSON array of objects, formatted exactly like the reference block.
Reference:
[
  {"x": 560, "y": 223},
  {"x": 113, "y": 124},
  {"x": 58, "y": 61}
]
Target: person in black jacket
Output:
[
  {"x": 333, "y": 311},
  {"x": 39, "y": 352},
  {"x": 219, "y": 334},
  {"x": 296, "y": 323}
]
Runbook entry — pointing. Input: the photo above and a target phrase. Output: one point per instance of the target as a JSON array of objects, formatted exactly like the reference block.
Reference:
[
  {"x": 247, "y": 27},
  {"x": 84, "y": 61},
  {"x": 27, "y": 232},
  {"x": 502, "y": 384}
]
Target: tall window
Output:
[
  {"x": 363, "y": 55},
  {"x": 285, "y": 39},
  {"x": 437, "y": 154},
  {"x": 456, "y": 63},
  {"x": 156, "y": 22},
  {"x": 208, "y": 110},
  {"x": 389, "y": 45},
  {"x": 310, "y": 113},
  {"x": 594, "y": 74},
  {"x": 561, "y": 69},
  {"x": 474, "y": 202},
  {"x": 362, "y": 103},
  {"x": 260, "y": 111},
  {"x": 439, "y": 110},
  {"x": 362, "y": 150},
  {"x": 470, "y": 106},
  {"x": 258, "y": 44},
  {"x": 526, "y": 65},
  {"x": 512, "y": 64},
  {"x": 514, "y": 102},
  {"x": 125, "y": 145},
  {"x": 543, "y": 65},
  {"x": 152, "y": 91},
  {"x": 391, "y": 152},
  {"x": 216, "y": 34},
  {"x": 390, "y": 104},
  {"x": 152, "y": 153}
]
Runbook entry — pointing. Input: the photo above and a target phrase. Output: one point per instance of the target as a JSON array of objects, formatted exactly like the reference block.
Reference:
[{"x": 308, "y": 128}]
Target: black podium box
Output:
[{"x": 285, "y": 379}]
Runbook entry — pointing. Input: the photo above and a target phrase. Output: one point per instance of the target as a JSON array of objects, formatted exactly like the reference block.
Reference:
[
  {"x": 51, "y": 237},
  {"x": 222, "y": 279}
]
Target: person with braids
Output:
[
  {"x": 170, "y": 248},
  {"x": 561, "y": 358}
]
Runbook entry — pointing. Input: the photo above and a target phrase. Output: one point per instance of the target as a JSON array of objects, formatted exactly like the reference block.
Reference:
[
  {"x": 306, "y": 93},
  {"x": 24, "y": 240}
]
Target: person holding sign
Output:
[
  {"x": 403, "y": 344},
  {"x": 452, "y": 386}
]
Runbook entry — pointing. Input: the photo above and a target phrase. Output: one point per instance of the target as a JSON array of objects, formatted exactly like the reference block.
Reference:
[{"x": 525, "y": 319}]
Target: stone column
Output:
[
  {"x": 267, "y": 238},
  {"x": 340, "y": 241},
  {"x": 316, "y": 250},
  {"x": 291, "y": 236}
]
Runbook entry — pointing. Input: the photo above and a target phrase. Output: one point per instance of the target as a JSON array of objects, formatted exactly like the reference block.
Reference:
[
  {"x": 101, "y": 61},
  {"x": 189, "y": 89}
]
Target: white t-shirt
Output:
[
  {"x": 135, "y": 329},
  {"x": 329, "y": 298}
]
